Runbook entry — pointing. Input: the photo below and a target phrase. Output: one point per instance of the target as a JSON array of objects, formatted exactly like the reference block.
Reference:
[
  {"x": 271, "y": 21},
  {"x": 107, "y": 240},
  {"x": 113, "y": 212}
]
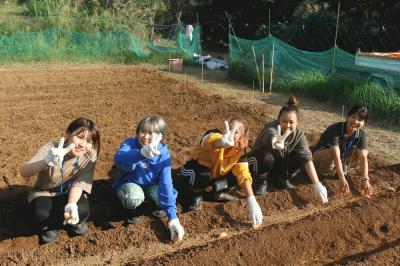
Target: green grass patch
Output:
[{"x": 381, "y": 102}]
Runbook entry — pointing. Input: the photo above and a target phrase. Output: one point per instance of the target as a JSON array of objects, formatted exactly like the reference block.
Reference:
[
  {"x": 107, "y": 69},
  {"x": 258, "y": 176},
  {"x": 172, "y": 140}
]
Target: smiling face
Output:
[
  {"x": 149, "y": 126},
  {"x": 82, "y": 140},
  {"x": 354, "y": 123},
  {"x": 288, "y": 120},
  {"x": 144, "y": 137}
]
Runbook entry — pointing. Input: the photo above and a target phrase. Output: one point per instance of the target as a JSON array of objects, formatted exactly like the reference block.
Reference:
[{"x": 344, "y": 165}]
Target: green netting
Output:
[
  {"x": 172, "y": 39},
  {"x": 59, "y": 44},
  {"x": 116, "y": 45},
  {"x": 289, "y": 61}
]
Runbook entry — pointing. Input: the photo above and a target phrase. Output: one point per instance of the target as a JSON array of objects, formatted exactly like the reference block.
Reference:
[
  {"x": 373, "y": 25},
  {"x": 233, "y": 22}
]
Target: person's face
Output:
[
  {"x": 144, "y": 137},
  {"x": 354, "y": 122},
  {"x": 288, "y": 120},
  {"x": 83, "y": 143}
]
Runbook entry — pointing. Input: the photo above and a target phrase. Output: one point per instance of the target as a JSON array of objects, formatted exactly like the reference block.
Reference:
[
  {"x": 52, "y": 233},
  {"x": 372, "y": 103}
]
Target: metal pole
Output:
[
  {"x": 263, "y": 71},
  {"x": 169, "y": 64},
  {"x": 202, "y": 72},
  {"x": 258, "y": 72},
  {"x": 342, "y": 113},
  {"x": 233, "y": 31},
  {"x": 272, "y": 68},
  {"x": 269, "y": 22},
  {"x": 252, "y": 96},
  {"x": 335, "y": 41}
]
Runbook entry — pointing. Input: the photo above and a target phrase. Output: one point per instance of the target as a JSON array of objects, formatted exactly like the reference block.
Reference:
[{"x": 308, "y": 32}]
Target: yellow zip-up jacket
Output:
[{"x": 221, "y": 161}]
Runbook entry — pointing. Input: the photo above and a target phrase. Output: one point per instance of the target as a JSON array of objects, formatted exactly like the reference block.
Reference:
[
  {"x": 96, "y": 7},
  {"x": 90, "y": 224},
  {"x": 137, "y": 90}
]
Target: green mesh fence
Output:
[
  {"x": 172, "y": 39},
  {"x": 289, "y": 61},
  {"x": 116, "y": 45}
]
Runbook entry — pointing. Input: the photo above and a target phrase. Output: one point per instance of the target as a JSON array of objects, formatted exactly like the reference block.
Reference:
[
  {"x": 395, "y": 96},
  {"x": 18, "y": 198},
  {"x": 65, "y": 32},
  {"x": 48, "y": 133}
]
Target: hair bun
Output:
[{"x": 293, "y": 101}]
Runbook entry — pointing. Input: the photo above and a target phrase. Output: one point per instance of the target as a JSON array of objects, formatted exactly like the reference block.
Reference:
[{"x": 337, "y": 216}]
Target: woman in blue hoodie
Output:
[{"x": 145, "y": 172}]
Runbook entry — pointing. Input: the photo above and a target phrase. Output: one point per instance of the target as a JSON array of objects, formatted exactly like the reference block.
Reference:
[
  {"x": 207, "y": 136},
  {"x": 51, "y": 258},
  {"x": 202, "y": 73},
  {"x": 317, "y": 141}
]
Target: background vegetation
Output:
[{"x": 305, "y": 24}]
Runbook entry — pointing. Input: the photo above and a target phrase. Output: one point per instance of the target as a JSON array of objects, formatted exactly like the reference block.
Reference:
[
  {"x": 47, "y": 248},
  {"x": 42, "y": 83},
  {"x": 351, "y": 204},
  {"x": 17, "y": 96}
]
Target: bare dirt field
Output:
[{"x": 39, "y": 101}]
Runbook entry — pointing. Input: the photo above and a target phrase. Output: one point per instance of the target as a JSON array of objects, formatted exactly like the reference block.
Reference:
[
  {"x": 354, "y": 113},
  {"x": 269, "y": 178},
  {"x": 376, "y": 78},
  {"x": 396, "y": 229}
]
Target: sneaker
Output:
[
  {"x": 289, "y": 185},
  {"x": 225, "y": 197},
  {"x": 80, "y": 229},
  {"x": 260, "y": 186},
  {"x": 197, "y": 202},
  {"x": 134, "y": 220},
  {"x": 282, "y": 184},
  {"x": 159, "y": 213},
  {"x": 49, "y": 236}
]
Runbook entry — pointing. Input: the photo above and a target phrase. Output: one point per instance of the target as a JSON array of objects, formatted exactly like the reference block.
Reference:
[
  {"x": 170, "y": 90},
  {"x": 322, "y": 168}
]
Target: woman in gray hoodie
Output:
[{"x": 281, "y": 151}]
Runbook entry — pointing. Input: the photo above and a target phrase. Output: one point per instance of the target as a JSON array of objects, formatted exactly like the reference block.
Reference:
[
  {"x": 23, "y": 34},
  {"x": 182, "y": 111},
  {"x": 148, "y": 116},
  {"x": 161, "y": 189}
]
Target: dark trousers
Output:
[
  {"x": 48, "y": 212},
  {"x": 263, "y": 164},
  {"x": 192, "y": 178}
]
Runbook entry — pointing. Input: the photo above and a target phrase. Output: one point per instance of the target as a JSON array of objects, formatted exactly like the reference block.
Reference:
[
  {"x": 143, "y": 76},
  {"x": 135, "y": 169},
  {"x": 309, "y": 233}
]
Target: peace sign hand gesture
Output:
[
  {"x": 150, "y": 150},
  {"x": 228, "y": 140},
  {"x": 56, "y": 155},
  {"x": 278, "y": 141}
]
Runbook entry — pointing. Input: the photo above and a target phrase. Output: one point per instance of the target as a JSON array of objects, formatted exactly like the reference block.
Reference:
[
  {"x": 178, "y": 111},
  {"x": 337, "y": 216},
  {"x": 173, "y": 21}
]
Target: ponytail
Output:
[{"x": 290, "y": 106}]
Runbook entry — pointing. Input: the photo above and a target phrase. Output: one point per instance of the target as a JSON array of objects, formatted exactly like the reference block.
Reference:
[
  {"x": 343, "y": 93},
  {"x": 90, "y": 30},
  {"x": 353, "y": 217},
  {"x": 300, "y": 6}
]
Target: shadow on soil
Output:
[{"x": 359, "y": 257}]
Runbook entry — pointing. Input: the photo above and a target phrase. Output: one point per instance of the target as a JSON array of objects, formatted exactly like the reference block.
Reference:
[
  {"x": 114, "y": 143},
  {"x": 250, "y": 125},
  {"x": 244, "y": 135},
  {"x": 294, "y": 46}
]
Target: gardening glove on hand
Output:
[
  {"x": 228, "y": 140},
  {"x": 320, "y": 191},
  {"x": 254, "y": 210},
  {"x": 176, "y": 230},
  {"x": 150, "y": 150},
  {"x": 71, "y": 215},
  {"x": 278, "y": 141},
  {"x": 56, "y": 155}
]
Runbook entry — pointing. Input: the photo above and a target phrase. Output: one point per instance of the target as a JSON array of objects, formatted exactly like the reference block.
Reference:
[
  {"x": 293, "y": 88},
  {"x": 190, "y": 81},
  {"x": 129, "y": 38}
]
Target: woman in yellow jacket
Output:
[{"x": 217, "y": 164}]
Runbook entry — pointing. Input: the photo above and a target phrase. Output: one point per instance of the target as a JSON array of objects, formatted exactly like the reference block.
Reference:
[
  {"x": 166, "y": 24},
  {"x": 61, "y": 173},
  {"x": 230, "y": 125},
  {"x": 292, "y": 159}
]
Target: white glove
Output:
[
  {"x": 278, "y": 141},
  {"x": 321, "y": 192},
  {"x": 71, "y": 215},
  {"x": 176, "y": 230},
  {"x": 150, "y": 150},
  {"x": 228, "y": 140},
  {"x": 56, "y": 155},
  {"x": 254, "y": 210}
]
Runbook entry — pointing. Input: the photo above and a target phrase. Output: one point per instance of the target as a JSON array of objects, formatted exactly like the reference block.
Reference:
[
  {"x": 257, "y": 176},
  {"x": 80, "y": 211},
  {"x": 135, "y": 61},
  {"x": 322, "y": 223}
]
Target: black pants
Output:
[
  {"x": 48, "y": 212},
  {"x": 192, "y": 178},
  {"x": 264, "y": 164}
]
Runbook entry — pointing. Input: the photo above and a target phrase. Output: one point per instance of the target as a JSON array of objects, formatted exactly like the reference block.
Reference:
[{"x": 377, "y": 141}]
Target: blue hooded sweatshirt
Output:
[{"x": 135, "y": 168}]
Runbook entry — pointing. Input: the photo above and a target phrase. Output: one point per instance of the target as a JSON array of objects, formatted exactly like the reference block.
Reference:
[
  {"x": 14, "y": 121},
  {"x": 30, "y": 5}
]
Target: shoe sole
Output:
[
  {"x": 46, "y": 240},
  {"x": 135, "y": 220}
]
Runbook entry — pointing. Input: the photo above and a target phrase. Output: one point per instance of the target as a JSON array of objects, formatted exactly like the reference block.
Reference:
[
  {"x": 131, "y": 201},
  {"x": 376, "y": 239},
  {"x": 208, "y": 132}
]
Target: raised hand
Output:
[
  {"x": 320, "y": 191},
  {"x": 278, "y": 141},
  {"x": 56, "y": 155},
  {"x": 155, "y": 140},
  {"x": 71, "y": 214},
  {"x": 176, "y": 229},
  {"x": 150, "y": 150},
  {"x": 228, "y": 140}
]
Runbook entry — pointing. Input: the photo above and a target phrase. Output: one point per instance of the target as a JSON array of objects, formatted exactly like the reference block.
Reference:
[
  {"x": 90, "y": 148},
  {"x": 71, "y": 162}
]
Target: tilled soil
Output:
[{"x": 38, "y": 104}]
